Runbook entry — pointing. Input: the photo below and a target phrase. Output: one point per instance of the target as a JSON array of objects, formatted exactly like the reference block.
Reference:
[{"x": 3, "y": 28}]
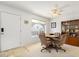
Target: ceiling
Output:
[{"x": 43, "y": 8}]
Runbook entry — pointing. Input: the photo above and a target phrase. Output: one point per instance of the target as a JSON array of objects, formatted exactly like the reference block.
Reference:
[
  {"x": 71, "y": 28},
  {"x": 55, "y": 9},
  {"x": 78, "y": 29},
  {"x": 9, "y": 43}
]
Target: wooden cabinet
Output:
[
  {"x": 72, "y": 29},
  {"x": 73, "y": 41}
]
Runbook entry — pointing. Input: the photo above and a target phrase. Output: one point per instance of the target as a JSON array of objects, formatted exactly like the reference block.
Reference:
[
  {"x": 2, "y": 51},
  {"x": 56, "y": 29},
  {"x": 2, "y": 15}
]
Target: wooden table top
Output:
[{"x": 51, "y": 36}]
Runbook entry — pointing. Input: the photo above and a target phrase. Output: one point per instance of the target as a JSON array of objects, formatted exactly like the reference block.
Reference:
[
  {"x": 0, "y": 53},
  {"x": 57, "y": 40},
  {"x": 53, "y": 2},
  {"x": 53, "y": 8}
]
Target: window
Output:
[{"x": 37, "y": 26}]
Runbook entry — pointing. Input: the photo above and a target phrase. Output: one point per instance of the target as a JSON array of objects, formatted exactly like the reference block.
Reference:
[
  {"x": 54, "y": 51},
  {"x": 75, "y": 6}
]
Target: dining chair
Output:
[
  {"x": 45, "y": 41},
  {"x": 59, "y": 42},
  {"x": 57, "y": 34}
]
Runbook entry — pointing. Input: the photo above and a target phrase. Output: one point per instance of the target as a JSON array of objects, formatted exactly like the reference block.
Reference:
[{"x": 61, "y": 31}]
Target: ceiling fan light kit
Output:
[{"x": 56, "y": 11}]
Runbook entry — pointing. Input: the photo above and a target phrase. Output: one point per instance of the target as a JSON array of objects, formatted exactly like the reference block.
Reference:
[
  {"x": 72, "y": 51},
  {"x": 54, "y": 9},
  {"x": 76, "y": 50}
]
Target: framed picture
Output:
[{"x": 53, "y": 25}]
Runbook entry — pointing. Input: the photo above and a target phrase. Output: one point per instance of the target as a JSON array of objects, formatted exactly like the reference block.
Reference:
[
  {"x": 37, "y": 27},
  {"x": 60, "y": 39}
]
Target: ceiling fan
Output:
[{"x": 57, "y": 10}]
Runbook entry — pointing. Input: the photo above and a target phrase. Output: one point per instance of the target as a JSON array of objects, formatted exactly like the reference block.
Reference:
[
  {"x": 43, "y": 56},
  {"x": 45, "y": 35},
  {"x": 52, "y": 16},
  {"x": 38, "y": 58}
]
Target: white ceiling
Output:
[{"x": 44, "y": 8}]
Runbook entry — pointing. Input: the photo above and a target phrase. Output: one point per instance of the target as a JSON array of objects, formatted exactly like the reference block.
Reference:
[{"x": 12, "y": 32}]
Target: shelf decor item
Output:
[{"x": 53, "y": 25}]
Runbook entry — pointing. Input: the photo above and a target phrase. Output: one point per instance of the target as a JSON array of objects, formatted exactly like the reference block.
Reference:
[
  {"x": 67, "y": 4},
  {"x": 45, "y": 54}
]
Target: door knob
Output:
[{"x": 2, "y": 29}]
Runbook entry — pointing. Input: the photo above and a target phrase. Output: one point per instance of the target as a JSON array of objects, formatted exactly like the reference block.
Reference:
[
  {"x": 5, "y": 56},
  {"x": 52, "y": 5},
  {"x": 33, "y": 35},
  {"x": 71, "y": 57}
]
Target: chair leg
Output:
[
  {"x": 62, "y": 49},
  {"x": 45, "y": 48},
  {"x": 48, "y": 50},
  {"x": 56, "y": 48}
]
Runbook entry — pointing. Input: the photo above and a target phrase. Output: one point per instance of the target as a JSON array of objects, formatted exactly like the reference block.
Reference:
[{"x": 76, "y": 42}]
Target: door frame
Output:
[{"x": 0, "y": 31}]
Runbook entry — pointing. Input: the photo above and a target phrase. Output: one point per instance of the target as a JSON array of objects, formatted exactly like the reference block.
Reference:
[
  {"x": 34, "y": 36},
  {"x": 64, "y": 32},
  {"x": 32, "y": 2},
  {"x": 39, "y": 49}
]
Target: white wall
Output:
[
  {"x": 48, "y": 26},
  {"x": 26, "y": 37},
  {"x": 58, "y": 25}
]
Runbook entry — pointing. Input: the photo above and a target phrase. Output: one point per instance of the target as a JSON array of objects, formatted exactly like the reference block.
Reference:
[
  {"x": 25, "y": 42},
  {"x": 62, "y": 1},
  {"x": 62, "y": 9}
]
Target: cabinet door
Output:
[{"x": 10, "y": 31}]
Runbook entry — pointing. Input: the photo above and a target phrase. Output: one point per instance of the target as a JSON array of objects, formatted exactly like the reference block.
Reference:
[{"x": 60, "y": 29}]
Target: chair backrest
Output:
[
  {"x": 57, "y": 34},
  {"x": 63, "y": 38},
  {"x": 43, "y": 39}
]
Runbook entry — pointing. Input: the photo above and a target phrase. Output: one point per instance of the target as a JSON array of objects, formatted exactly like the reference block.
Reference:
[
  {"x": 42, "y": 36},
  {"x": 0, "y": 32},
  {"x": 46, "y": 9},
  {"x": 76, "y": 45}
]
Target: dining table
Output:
[{"x": 52, "y": 37}]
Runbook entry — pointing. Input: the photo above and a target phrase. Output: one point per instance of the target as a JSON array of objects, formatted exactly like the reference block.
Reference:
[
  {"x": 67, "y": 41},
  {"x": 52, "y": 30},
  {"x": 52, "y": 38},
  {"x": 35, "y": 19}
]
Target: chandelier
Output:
[{"x": 56, "y": 11}]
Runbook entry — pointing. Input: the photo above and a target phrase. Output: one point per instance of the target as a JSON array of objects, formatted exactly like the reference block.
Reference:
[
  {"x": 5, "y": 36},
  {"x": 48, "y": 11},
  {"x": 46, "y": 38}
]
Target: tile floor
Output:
[{"x": 34, "y": 51}]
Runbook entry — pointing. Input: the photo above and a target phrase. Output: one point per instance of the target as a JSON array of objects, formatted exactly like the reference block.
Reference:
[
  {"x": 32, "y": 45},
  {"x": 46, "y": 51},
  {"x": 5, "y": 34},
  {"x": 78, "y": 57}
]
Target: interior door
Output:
[{"x": 10, "y": 31}]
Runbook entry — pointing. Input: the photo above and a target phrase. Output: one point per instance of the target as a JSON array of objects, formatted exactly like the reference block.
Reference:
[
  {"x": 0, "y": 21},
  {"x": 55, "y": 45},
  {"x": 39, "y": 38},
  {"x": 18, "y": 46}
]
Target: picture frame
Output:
[{"x": 53, "y": 25}]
